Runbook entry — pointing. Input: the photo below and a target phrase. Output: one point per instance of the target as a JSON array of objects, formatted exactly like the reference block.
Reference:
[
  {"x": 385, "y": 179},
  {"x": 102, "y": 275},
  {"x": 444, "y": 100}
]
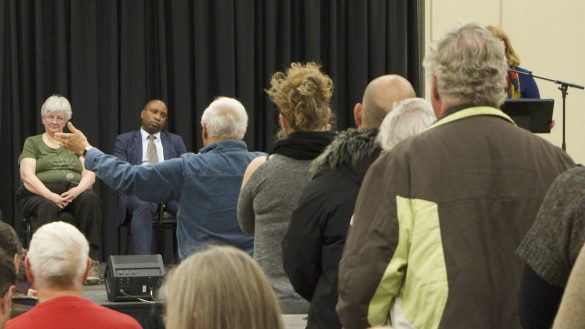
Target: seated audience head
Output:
[
  {"x": 154, "y": 116},
  {"x": 220, "y": 287},
  {"x": 467, "y": 66},
  {"x": 302, "y": 95},
  {"x": 57, "y": 258},
  {"x": 409, "y": 117},
  {"x": 511, "y": 56},
  {"x": 379, "y": 98},
  {"x": 7, "y": 286},
  {"x": 224, "y": 119},
  {"x": 55, "y": 112},
  {"x": 10, "y": 243}
]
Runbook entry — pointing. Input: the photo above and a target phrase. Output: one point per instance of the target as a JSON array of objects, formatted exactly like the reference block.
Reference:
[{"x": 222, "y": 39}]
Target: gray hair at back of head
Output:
[
  {"x": 225, "y": 118},
  {"x": 408, "y": 118},
  {"x": 469, "y": 64},
  {"x": 57, "y": 103},
  {"x": 58, "y": 255}
]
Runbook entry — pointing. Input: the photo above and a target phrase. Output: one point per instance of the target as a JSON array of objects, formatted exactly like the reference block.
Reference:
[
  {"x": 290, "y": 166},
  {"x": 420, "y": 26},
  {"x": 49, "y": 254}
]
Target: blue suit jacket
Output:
[{"x": 128, "y": 147}]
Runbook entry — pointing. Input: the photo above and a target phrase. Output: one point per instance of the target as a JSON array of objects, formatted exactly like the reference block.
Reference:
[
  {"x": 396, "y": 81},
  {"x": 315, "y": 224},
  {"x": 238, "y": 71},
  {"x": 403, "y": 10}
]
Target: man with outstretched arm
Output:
[{"x": 206, "y": 185}]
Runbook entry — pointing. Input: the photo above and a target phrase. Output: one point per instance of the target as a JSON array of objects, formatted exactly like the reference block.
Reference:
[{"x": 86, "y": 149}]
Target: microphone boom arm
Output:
[{"x": 563, "y": 87}]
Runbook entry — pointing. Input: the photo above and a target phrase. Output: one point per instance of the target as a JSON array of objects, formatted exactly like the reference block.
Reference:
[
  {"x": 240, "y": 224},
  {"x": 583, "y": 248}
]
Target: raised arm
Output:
[{"x": 156, "y": 183}]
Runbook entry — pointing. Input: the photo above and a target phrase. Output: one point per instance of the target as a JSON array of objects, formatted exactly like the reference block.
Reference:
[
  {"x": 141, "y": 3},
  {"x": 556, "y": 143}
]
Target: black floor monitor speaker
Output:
[{"x": 129, "y": 277}]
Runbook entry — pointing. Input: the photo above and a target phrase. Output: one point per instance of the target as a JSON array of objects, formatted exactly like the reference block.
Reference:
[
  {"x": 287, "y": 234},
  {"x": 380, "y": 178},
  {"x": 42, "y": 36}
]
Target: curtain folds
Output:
[{"x": 110, "y": 56}]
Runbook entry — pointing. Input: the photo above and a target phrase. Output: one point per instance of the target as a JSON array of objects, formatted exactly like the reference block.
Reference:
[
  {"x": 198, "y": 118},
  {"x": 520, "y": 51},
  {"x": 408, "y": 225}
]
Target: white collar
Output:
[{"x": 145, "y": 134}]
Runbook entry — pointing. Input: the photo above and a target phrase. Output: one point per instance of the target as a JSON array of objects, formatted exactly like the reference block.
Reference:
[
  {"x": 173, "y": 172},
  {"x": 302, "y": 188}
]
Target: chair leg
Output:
[
  {"x": 128, "y": 238},
  {"x": 119, "y": 239},
  {"x": 175, "y": 246}
]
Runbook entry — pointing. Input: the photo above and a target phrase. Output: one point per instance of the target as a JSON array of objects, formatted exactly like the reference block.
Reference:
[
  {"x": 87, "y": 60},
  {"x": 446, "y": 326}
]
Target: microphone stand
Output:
[{"x": 563, "y": 86}]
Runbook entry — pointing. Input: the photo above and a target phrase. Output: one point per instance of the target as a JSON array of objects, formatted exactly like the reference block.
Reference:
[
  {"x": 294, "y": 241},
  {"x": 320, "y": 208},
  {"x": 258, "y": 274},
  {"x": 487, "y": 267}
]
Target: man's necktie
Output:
[{"x": 151, "y": 150}]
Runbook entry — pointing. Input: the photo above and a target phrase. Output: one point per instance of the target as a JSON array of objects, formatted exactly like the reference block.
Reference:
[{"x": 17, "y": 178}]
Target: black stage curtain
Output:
[{"x": 110, "y": 56}]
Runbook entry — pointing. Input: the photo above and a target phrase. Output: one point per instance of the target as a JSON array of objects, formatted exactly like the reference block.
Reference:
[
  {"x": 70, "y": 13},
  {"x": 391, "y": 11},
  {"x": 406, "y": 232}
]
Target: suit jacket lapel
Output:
[
  {"x": 166, "y": 143},
  {"x": 137, "y": 144}
]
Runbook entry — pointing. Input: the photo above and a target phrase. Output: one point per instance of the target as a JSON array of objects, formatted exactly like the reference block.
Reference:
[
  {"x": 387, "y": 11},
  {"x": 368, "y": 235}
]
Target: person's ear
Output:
[
  {"x": 436, "y": 98},
  {"x": 283, "y": 121},
  {"x": 6, "y": 300},
  {"x": 204, "y": 132},
  {"x": 434, "y": 89},
  {"x": 29, "y": 274},
  {"x": 16, "y": 261},
  {"x": 357, "y": 114}
]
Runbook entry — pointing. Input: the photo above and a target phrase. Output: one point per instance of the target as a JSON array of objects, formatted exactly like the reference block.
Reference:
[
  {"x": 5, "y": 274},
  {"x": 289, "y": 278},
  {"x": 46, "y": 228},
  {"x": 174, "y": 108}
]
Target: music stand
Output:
[
  {"x": 534, "y": 115},
  {"x": 563, "y": 87}
]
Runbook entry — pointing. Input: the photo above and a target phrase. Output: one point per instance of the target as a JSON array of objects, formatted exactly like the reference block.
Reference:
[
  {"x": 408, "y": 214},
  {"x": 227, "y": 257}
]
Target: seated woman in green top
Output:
[{"x": 54, "y": 180}]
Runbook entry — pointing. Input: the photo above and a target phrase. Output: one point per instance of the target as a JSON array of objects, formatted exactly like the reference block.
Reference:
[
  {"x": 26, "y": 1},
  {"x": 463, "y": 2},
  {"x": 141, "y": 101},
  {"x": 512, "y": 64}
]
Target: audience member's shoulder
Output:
[
  {"x": 33, "y": 139},
  {"x": 256, "y": 163},
  {"x": 572, "y": 176},
  {"x": 118, "y": 320},
  {"x": 259, "y": 154},
  {"x": 253, "y": 166}
]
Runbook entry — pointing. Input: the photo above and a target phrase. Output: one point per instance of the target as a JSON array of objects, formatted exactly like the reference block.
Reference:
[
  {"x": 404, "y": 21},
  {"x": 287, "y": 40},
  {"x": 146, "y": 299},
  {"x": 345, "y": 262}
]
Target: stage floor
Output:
[{"x": 150, "y": 315}]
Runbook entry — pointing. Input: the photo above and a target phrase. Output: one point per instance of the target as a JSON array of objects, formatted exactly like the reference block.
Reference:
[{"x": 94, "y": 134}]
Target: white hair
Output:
[
  {"x": 469, "y": 64},
  {"x": 58, "y": 255},
  {"x": 408, "y": 118},
  {"x": 225, "y": 118},
  {"x": 57, "y": 103}
]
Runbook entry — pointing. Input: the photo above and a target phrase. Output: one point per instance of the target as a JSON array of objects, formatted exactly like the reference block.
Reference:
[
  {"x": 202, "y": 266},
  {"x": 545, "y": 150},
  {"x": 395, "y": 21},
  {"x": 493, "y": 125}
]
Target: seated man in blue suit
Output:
[{"x": 138, "y": 147}]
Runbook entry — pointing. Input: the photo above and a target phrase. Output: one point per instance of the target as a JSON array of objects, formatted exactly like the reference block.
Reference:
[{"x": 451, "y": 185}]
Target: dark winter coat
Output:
[{"x": 314, "y": 242}]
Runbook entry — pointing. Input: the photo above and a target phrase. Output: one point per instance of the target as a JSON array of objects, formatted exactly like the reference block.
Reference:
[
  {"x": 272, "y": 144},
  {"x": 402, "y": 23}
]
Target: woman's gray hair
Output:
[
  {"x": 57, "y": 103},
  {"x": 469, "y": 64},
  {"x": 225, "y": 118},
  {"x": 58, "y": 255},
  {"x": 408, "y": 118}
]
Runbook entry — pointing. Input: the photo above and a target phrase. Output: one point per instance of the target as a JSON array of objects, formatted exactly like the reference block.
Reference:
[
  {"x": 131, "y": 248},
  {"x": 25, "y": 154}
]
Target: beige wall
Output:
[{"x": 548, "y": 35}]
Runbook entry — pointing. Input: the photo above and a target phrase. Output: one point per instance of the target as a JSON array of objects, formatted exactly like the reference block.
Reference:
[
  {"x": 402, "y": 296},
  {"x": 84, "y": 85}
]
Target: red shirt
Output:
[{"x": 71, "y": 312}]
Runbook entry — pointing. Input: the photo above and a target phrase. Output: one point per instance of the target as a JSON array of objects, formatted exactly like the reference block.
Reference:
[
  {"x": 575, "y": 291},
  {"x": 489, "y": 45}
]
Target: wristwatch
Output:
[{"x": 87, "y": 148}]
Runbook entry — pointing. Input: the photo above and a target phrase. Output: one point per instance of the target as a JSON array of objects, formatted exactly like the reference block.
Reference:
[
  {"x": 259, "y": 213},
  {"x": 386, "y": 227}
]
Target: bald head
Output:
[{"x": 379, "y": 98}]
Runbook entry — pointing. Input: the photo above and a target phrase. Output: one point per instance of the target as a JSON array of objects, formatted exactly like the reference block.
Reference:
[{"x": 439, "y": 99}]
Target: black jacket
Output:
[{"x": 314, "y": 242}]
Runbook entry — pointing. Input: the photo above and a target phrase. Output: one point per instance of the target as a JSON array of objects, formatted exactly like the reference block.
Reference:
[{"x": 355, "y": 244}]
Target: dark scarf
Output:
[{"x": 303, "y": 145}]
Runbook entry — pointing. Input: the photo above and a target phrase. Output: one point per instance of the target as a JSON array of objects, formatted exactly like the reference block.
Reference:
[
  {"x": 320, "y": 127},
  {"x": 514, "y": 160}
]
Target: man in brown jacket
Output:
[{"x": 438, "y": 218}]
